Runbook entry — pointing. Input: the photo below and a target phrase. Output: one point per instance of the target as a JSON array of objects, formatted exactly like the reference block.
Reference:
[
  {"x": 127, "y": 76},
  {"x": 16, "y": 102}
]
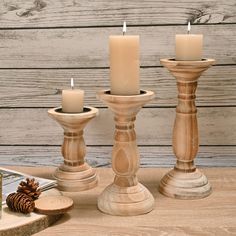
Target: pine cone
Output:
[
  {"x": 30, "y": 188},
  {"x": 20, "y": 202}
]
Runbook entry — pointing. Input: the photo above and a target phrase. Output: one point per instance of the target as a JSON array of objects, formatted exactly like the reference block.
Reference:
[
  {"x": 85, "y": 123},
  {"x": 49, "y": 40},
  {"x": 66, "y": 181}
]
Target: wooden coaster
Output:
[{"x": 53, "y": 205}]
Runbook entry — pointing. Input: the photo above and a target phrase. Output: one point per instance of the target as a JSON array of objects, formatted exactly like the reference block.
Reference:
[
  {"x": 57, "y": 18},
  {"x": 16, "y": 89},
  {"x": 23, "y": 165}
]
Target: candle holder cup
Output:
[
  {"x": 125, "y": 196},
  {"x": 74, "y": 174},
  {"x": 185, "y": 181}
]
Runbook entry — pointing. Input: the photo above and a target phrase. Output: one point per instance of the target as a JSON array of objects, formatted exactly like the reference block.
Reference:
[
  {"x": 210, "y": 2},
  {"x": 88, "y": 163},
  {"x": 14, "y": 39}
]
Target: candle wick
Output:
[
  {"x": 72, "y": 83},
  {"x": 124, "y": 28},
  {"x": 189, "y": 27}
]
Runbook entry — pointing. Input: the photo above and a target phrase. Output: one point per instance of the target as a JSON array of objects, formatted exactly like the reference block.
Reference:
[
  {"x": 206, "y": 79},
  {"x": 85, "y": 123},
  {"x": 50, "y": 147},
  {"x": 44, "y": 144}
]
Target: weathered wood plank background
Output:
[{"x": 43, "y": 43}]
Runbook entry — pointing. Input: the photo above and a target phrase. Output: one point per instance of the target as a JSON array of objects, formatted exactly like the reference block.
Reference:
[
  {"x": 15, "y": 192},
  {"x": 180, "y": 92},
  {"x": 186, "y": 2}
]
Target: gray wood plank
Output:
[
  {"x": 42, "y": 88},
  {"x": 100, "y": 156},
  {"x": 88, "y": 47},
  {"x": 153, "y": 126},
  {"x": 51, "y": 13}
]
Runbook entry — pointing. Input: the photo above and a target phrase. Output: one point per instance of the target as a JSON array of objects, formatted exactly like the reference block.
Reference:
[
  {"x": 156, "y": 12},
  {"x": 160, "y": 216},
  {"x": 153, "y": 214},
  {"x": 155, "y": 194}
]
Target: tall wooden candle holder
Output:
[
  {"x": 74, "y": 174},
  {"x": 185, "y": 181},
  {"x": 125, "y": 196}
]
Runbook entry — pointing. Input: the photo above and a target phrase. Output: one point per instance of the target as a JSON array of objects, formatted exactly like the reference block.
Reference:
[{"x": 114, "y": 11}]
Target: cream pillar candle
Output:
[
  {"x": 124, "y": 64},
  {"x": 72, "y": 99},
  {"x": 188, "y": 47}
]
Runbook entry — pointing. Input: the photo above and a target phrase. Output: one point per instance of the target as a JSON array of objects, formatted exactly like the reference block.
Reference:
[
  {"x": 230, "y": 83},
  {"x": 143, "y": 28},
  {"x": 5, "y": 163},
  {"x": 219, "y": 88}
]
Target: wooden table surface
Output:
[{"x": 214, "y": 215}]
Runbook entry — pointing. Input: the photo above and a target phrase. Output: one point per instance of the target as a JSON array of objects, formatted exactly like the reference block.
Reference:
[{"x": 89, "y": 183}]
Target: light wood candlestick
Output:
[
  {"x": 125, "y": 196},
  {"x": 185, "y": 181},
  {"x": 74, "y": 174}
]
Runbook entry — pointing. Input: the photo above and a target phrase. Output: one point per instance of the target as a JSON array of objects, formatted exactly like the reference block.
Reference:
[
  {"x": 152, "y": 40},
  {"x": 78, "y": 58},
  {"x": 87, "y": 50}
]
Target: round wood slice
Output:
[
  {"x": 53, "y": 205},
  {"x": 18, "y": 224}
]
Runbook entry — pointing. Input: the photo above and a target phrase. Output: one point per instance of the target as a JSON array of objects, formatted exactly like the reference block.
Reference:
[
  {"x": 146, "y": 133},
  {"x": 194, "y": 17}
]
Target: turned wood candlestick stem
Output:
[
  {"x": 185, "y": 181},
  {"x": 125, "y": 196},
  {"x": 74, "y": 174}
]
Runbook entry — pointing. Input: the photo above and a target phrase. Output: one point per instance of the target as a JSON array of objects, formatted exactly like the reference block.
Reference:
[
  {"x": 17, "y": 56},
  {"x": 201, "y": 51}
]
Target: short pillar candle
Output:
[
  {"x": 72, "y": 99},
  {"x": 188, "y": 47}
]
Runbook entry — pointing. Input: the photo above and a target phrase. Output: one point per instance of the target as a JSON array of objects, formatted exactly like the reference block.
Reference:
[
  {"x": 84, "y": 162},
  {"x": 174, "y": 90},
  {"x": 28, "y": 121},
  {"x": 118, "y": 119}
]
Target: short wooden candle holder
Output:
[
  {"x": 125, "y": 196},
  {"x": 185, "y": 181},
  {"x": 74, "y": 174}
]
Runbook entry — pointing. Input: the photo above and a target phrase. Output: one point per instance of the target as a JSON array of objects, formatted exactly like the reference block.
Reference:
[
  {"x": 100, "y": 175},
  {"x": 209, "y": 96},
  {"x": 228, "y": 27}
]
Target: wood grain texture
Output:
[
  {"x": 214, "y": 215},
  {"x": 53, "y": 205},
  {"x": 73, "y": 34},
  {"x": 88, "y": 47},
  {"x": 125, "y": 196},
  {"x": 185, "y": 181},
  {"x": 42, "y": 88},
  {"x": 100, "y": 156},
  {"x": 49, "y": 13},
  {"x": 18, "y": 224},
  {"x": 97, "y": 230},
  {"x": 153, "y": 127},
  {"x": 74, "y": 174}
]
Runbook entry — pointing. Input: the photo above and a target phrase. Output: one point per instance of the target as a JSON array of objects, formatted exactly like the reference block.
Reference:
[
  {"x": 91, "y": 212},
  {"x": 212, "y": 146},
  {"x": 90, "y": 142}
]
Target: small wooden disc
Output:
[{"x": 53, "y": 205}]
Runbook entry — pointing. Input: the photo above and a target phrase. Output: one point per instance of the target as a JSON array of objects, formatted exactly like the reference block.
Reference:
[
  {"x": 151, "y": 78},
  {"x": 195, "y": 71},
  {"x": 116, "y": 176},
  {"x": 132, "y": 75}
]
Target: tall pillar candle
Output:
[
  {"x": 188, "y": 47},
  {"x": 72, "y": 100},
  {"x": 124, "y": 64}
]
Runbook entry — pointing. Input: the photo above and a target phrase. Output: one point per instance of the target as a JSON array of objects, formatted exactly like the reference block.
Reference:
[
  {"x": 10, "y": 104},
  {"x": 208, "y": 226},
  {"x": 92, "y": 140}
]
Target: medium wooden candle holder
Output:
[
  {"x": 74, "y": 174},
  {"x": 125, "y": 196},
  {"x": 185, "y": 181}
]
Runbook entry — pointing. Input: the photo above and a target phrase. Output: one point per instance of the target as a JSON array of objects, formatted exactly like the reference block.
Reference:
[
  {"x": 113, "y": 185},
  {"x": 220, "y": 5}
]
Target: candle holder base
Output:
[
  {"x": 123, "y": 201},
  {"x": 185, "y": 181},
  {"x": 185, "y": 185},
  {"x": 125, "y": 196},
  {"x": 76, "y": 179},
  {"x": 74, "y": 174}
]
